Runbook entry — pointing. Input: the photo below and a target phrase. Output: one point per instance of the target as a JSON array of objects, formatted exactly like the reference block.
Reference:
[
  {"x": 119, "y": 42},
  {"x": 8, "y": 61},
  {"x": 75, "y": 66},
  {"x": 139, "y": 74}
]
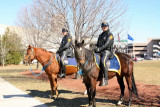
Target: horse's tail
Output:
[{"x": 134, "y": 88}]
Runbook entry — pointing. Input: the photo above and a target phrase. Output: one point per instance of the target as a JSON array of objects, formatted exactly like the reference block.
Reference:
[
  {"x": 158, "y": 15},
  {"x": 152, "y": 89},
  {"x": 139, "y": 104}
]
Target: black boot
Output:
[
  {"x": 63, "y": 72},
  {"x": 104, "y": 80}
]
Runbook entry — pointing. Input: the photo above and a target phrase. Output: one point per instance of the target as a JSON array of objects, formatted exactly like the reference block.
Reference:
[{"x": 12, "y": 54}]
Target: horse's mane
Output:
[
  {"x": 89, "y": 54},
  {"x": 44, "y": 50}
]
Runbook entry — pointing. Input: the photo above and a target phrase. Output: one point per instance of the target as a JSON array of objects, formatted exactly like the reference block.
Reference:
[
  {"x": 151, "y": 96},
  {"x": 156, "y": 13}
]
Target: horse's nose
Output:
[
  {"x": 81, "y": 64},
  {"x": 24, "y": 61}
]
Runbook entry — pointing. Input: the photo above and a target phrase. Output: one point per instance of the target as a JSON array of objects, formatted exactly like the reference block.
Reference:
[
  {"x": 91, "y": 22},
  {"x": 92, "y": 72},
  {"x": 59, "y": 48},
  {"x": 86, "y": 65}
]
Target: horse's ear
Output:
[
  {"x": 83, "y": 42},
  {"x": 29, "y": 47}
]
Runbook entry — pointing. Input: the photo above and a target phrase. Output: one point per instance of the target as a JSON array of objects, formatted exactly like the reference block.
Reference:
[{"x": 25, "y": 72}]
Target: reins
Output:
[
  {"x": 44, "y": 67},
  {"x": 48, "y": 63},
  {"x": 80, "y": 70}
]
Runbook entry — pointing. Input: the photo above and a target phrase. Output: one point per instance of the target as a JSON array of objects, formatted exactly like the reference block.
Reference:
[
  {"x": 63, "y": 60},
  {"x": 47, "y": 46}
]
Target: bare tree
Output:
[
  {"x": 44, "y": 19},
  {"x": 4, "y": 50},
  {"x": 36, "y": 27}
]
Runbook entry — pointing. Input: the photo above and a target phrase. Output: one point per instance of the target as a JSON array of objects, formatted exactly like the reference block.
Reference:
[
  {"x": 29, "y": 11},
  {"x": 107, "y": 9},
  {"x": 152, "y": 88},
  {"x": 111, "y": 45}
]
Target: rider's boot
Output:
[
  {"x": 104, "y": 80},
  {"x": 63, "y": 72}
]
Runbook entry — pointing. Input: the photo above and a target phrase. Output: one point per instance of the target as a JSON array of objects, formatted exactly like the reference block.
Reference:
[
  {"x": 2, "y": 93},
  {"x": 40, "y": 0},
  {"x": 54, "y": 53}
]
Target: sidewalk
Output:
[{"x": 10, "y": 96}]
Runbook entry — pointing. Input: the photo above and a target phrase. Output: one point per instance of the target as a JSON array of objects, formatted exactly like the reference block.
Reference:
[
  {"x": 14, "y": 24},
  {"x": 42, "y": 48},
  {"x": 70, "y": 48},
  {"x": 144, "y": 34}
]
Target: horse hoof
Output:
[
  {"x": 51, "y": 96},
  {"x": 56, "y": 97},
  {"x": 119, "y": 102},
  {"x": 85, "y": 93},
  {"x": 129, "y": 105}
]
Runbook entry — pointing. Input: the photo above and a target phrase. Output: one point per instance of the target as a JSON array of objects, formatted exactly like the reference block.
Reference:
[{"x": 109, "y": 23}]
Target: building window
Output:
[
  {"x": 140, "y": 46},
  {"x": 140, "y": 50}
]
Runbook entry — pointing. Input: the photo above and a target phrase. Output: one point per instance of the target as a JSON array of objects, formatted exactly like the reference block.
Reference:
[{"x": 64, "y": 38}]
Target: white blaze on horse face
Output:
[
  {"x": 80, "y": 49},
  {"x": 32, "y": 49}
]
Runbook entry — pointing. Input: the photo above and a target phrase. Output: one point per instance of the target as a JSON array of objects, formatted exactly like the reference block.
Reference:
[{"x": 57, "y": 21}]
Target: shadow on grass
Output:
[
  {"x": 65, "y": 102},
  {"x": 17, "y": 95},
  {"x": 82, "y": 101}
]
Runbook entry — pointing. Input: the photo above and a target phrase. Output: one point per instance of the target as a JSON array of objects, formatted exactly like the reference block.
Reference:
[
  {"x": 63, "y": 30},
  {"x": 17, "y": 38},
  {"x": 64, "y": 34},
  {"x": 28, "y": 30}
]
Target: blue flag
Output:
[{"x": 130, "y": 38}]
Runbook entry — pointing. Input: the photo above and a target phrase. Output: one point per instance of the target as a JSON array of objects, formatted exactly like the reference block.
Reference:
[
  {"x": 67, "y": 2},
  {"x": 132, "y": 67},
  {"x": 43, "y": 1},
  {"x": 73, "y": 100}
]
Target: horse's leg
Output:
[
  {"x": 51, "y": 84},
  {"x": 54, "y": 78},
  {"x": 88, "y": 92},
  {"x": 93, "y": 91},
  {"x": 122, "y": 87},
  {"x": 129, "y": 82}
]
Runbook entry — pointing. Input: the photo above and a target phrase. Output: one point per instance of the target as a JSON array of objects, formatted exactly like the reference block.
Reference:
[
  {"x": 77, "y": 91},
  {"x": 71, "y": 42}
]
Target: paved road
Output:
[{"x": 10, "y": 96}]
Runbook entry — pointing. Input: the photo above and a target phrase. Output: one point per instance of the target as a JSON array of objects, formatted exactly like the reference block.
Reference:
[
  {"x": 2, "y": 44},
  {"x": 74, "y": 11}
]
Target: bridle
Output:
[
  {"x": 44, "y": 67},
  {"x": 32, "y": 53}
]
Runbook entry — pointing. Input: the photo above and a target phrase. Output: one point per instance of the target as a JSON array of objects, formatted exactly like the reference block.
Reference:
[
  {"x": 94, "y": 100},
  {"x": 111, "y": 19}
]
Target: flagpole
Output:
[
  {"x": 132, "y": 49},
  {"x": 127, "y": 44}
]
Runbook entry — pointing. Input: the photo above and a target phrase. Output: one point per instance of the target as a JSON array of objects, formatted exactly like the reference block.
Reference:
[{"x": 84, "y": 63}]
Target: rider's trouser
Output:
[
  {"x": 105, "y": 55},
  {"x": 62, "y": 63}
]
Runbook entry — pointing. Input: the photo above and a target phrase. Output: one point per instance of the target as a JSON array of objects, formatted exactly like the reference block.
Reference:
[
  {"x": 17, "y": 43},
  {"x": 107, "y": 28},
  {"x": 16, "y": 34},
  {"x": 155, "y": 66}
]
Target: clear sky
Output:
[
  {"x": 9, "y": 10},
  {"x": 143, "y": 16},
  {"x": 144, "y": 19}
]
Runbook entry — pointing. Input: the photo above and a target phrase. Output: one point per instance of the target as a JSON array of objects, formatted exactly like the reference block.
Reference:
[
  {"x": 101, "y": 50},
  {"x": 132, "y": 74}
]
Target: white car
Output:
[{"x": 140, "y": 59}]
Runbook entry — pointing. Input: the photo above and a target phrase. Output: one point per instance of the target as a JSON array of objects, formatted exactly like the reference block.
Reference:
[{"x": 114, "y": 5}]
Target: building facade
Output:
[{"x": 149, "y": 49}]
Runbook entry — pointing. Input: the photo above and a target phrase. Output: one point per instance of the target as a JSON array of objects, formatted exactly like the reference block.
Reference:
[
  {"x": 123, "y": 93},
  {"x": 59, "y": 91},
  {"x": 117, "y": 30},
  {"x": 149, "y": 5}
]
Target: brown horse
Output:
[
  {"x": 90, "y": 73},
  {"x": 45, "y": 57}
]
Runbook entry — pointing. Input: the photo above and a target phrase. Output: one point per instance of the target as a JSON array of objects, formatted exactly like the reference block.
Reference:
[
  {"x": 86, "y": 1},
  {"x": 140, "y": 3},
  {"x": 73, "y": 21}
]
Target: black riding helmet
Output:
[
  {"x": 104, "y": 24},
  {"x": 64, "y": 30}
]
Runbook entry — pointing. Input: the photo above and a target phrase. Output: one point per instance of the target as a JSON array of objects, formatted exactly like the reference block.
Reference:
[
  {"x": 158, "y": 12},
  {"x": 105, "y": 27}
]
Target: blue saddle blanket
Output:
[
  {"x": 114, "y": 63},
  {"x": 72, "y": 61}
]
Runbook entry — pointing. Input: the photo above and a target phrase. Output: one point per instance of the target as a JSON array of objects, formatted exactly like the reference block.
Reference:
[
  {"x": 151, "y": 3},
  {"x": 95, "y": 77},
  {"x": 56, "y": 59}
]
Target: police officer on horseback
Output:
[
  {"x": 104, "y": 47},
  {"x": 64, "y": 50}
]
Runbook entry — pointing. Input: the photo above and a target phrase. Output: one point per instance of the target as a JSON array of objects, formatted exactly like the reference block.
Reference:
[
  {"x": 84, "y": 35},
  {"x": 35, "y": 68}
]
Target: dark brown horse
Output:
[
  {"x": 90, "y": 73},
  {"x": 44, "y": 57}
]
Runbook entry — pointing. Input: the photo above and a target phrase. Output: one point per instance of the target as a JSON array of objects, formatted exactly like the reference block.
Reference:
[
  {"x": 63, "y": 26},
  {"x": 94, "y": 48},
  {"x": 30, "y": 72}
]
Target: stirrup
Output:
[
  {"x": 103, "y": 82},
  {"x": 61, "y": 75}
]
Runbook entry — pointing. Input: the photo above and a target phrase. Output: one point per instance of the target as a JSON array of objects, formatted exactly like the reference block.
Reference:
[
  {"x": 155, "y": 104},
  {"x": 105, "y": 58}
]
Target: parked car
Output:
[
  {"x": 140, "y": 59},
  {"x": 148, "y": 58}
]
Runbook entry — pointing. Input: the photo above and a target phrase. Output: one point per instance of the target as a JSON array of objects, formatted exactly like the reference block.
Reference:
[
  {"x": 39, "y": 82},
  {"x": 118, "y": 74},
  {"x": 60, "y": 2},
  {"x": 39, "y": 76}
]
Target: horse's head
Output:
[
  {"x": 80, "y": 52},
  {"x": 30, "y": 55}
]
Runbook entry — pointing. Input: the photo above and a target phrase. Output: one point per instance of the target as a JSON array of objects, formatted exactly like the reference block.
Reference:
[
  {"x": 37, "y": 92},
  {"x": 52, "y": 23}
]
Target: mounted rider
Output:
[
  {"x": 104, "y": 47},
  {"x": 64, "y": 50}
]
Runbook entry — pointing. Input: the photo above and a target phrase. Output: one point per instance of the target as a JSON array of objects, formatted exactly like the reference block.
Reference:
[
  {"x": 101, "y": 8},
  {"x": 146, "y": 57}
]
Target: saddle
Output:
[
  {"x": 113, "y": 63},
  {"x": 70, "y": 60}
]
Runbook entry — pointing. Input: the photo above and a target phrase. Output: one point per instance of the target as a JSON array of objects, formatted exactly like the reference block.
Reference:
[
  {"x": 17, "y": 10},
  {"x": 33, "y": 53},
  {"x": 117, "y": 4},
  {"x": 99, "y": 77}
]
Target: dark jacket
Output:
[
  {"x": 66, "y": 44},
  {"x": 105, "y": 41}
]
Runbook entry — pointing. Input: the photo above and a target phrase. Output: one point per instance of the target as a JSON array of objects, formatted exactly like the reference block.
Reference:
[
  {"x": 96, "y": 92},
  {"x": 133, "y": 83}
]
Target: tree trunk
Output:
[{"x": 3, "y": 61}]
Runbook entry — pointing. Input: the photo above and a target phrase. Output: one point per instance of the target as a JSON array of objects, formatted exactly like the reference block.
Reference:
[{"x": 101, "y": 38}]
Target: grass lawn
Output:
[{"x": 147, "y": 72}]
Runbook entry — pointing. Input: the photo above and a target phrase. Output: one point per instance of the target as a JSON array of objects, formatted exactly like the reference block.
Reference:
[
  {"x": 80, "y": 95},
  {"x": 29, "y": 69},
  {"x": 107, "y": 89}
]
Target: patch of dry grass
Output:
[
  {"x": 147, "y": 72},
  {"x": 20, "y": 67}
]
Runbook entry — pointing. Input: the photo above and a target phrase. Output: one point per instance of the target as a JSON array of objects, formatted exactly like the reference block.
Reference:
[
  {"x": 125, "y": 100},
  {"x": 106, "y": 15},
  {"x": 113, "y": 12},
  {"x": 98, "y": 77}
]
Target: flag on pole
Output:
[
  {"x": 119, "y": 38},
  {"x": 130, "y": 38}
]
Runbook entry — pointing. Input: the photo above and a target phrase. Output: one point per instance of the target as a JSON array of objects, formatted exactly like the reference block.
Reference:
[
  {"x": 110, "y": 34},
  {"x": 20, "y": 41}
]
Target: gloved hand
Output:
[
  {"x": 96, "y": 50},
  {"x": 58, "y": 52}
]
